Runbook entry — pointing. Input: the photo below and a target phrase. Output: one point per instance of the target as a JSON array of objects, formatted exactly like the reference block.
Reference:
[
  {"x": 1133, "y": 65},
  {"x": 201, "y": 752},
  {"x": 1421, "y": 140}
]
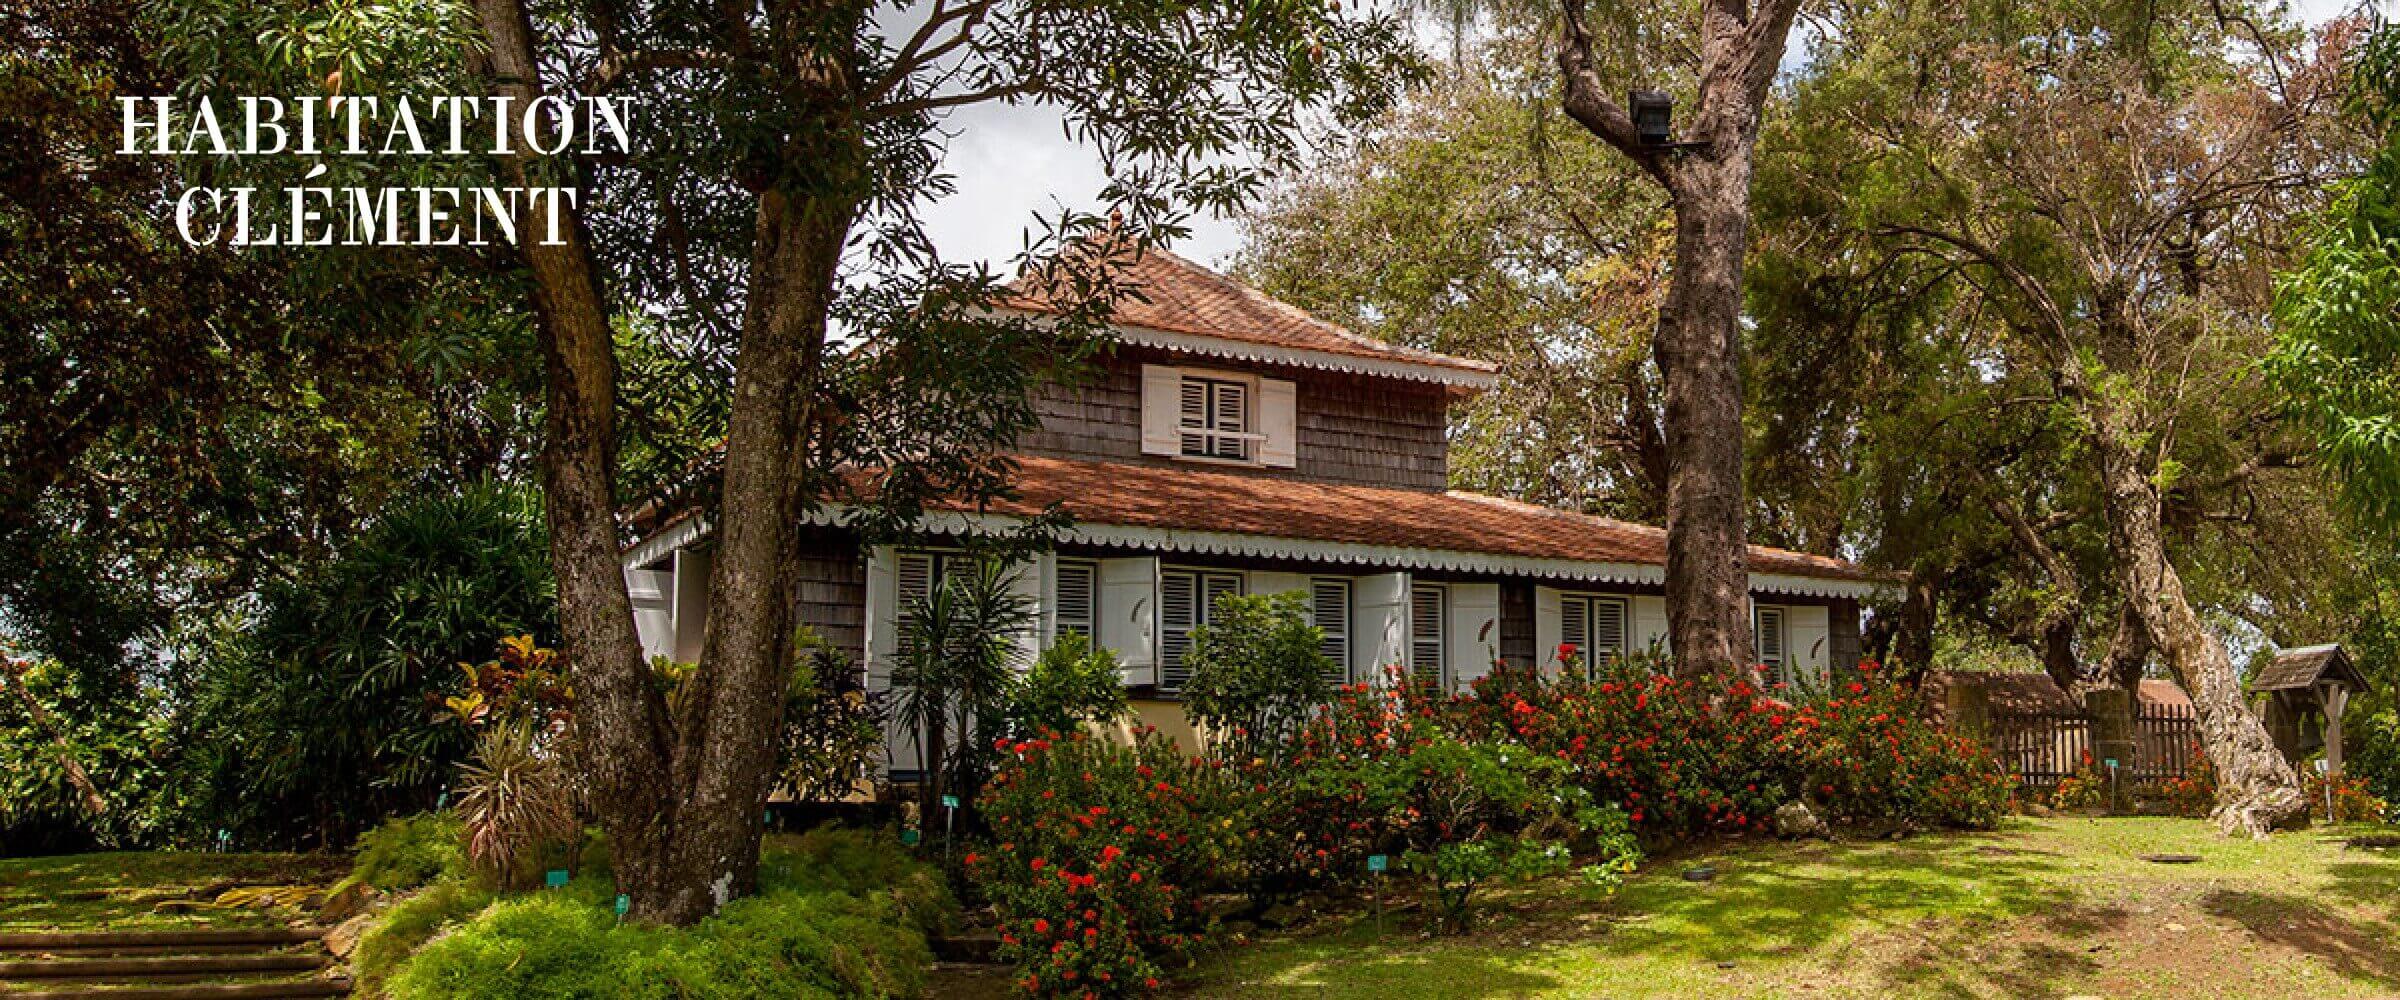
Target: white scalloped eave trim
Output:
[
  {"x": 1302, "y": 358},
  {"x": 1219, "y": 543}
]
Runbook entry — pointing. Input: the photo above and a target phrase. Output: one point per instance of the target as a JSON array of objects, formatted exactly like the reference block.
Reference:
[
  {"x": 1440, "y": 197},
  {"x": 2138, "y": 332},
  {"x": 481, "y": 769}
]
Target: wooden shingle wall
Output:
[
  {"x": 1349, "y": 428},
  {"x": 832, "y": 595}
]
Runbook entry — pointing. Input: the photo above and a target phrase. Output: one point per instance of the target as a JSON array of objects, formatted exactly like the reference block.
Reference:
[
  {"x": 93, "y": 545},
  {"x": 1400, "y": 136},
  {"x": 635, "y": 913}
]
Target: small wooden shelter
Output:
[{"x": 2306, "y": 690}]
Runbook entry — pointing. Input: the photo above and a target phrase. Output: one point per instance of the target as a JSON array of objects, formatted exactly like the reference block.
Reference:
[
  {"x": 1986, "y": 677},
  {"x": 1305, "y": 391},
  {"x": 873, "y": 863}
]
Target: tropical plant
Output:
[
  {"x": 1072, "y": 683},
  {"x": 1258, "y": 671},
  {"x": 80, "y": 760},
  {"x": 327, "y": 713},
  {"x": 833, "y": 727},
  {"x": 960, "y": 653},
  {"x": 514, "y": 802}
]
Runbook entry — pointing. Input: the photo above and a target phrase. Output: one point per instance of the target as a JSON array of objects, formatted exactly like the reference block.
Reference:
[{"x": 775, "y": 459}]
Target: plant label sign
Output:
[
  {"x": 2111, "y": 762},
  {"x": 908, "y": 838},
  {"x": 949, "y": 801},
  {"x": 624, "y": 904},
  {"x": 555, "y": 878},
  {"x": 1378, "y": 862}
]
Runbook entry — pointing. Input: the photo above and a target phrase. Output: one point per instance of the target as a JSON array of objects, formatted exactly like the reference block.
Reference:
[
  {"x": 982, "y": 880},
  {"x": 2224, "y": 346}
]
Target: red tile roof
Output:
[
  {"x": 1194, "y": 499},
  {"x": 1177, "y": 296}
]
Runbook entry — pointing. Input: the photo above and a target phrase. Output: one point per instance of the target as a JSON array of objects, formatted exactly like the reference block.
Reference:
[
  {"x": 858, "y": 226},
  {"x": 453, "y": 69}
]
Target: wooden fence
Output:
[{"x": 2042, "y": 747}]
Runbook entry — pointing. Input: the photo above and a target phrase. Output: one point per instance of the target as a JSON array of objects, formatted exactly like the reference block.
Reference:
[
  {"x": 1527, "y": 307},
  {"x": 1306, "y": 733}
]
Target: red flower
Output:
[{"x": 1039, "y": 864}]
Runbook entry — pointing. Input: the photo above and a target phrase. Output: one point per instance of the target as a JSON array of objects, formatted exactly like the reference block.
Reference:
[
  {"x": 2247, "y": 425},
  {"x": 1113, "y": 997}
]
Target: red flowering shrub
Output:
[
  {"x": 1102, "y": 851},
  {"x": 2195, "y": 793},
  {"x": 1683, "y": 756},
  {"x": 2352, "y": 801}
]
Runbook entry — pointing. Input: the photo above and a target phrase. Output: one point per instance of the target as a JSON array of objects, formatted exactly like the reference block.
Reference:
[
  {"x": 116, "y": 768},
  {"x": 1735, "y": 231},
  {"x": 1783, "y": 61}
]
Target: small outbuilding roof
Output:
[{"x": 2306, "y": 667}]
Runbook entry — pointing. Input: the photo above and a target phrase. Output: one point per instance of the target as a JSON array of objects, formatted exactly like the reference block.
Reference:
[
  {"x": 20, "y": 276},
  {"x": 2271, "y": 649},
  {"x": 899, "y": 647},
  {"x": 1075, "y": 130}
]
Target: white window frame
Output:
[
  {"x": 1174, "y": 638},
  {"x": 1245, "y": 441},
  {"x": 1592, "y": 652}
]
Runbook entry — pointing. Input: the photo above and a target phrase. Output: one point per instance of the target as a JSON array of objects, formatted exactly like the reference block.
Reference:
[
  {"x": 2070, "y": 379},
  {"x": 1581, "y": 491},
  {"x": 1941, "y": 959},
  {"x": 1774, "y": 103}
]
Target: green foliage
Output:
[
  {"x": 407, "y": 852},
  {"x": 1070, "y": 684},
  {"x": 1258, "y": 671},
  {"x": 1453, "y": 869},
  {"x": 326, "y": 714},
  {"x": 411, "y": 922},
  {"x": 832, "y": 726},
  {"x": 109, "y": 726},
  {"x": 774, "y": 945},
  {"x": 2338, "y": 314}
]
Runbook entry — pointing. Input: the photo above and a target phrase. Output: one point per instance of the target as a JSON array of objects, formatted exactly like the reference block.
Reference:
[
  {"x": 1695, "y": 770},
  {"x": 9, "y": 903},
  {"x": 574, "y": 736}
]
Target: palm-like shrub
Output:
[
  {"x": 957, "y": 671},
  {"x": 514, "y": 800}
]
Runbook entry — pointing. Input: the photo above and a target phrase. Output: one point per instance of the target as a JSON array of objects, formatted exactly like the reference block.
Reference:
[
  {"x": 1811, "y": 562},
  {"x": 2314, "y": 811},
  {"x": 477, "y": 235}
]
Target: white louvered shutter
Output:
[
  {"x": 1278, "y": 420},
  {"x": 1548, "y": 607},
  {"x": 1178, "y": 612},
  {"x": 1161, "y": 418},
  {"x": 1609, "y": 627},
  {"x": 1075, "y": 603},
  {"x": 1329, "y": 611},
  {"x": 1474, "y": 631},
  {"x": 1426, "y": 655},
  {"x": 1575, "y": 627},
  {"x": 1768, "y": 629},
  {"x": 1229, "y": 413},
  {"x": 913, "y": 583}
]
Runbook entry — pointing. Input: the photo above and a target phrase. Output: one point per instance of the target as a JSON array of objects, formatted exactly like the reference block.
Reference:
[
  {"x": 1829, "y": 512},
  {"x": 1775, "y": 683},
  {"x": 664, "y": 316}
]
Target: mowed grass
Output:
[
  {"x": 125, "y": 890},
  {"x": 2041, "y": 908}
]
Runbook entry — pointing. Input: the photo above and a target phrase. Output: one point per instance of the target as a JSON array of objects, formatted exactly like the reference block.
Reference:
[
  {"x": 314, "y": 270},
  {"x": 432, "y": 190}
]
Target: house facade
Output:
[{"x": 1232, "y": 444}]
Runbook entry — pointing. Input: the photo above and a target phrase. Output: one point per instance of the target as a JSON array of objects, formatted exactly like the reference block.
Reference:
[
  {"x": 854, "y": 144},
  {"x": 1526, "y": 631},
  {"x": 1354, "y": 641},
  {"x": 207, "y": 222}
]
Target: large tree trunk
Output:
[
  {"x": 2256, "y": 789},
  {"x": 726, "y": 753},
  {"x": 1698, "y": 344},
  {"x": 1699, "y": 356}
]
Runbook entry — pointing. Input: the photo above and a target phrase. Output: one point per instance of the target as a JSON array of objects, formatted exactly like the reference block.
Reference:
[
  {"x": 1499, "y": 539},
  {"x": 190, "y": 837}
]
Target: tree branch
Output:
[{"x": 1587, "y": 101}]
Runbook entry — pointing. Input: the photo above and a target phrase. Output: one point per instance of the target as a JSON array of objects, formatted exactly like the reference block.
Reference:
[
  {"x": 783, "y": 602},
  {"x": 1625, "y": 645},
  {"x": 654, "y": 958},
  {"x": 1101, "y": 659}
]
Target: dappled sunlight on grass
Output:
[{"x": 2038, "y": 908}]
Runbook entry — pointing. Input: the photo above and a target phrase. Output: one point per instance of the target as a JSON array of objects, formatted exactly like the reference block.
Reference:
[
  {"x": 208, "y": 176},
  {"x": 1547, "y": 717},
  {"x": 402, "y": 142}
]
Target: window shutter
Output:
[
  {"x": 1229, "y": 405},
  {"x": 1608, "y": 630},
  {"x": 1278, "y": 409},
  {"x": 1575, "y": 626},
  {"x": 653, "y": 610},
  {"x": 1024, "y": 581},
  {"x": 913, "y": 574},
  {"x": 1075, "y": 602},
  {"x": 1426, "y": 611},
  {"x": 1162, "y": 388},
  {"x": 1474, "y": 629},
  {"x": 883, "y": 603},
  {"x": 1329, "y": 611},
  {"x": 1378, "y": 625},
  {"x": 1809, "y": 638},
  {"x": 1178, "y": 611},
  {"x": 1128, "y": 616},
  {"x": 1767, "y": 632},
  {"x": 1650, "y": 625},
  {"x": 1548, "y": 606}
]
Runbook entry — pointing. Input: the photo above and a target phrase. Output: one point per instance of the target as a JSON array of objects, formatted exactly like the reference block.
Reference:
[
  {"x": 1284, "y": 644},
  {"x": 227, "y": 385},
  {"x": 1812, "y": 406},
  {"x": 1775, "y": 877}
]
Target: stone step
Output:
[
  {"x": 254, "y": 936},
  {"x": 214, "y": 991},
  {"x": 122, "y": 969}
]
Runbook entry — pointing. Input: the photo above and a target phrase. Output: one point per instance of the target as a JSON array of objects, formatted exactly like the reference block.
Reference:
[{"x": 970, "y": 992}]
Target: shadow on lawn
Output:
[{"x": 2355, "y": 948}]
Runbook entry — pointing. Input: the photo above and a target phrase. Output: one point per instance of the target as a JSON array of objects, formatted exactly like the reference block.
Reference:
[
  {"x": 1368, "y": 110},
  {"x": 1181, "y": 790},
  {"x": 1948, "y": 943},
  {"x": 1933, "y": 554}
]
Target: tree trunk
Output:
[
  {"x": 1699, "y": 340},
  {"x": 93, "y": 802},
  {"x": 1698, "y": 347},
  {"x": 621, "y": 722},
  {"x": 2256, "y": 790}
]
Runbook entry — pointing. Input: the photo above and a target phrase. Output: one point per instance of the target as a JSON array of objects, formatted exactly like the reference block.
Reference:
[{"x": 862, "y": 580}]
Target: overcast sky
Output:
[{"x": 1013, "y": 162}]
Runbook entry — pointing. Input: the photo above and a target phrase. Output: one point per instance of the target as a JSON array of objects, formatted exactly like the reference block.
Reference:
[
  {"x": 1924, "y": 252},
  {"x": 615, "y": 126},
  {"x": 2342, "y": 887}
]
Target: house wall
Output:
[
  {"x": 1354, "y": 429},
  {"x": 832, "y": 593}
]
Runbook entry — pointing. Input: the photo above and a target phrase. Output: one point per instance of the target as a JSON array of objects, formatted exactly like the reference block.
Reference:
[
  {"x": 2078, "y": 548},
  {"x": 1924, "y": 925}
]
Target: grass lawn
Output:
[
  {"x": 124, "y": 891},
  {"x": 2042, "y": 908}
]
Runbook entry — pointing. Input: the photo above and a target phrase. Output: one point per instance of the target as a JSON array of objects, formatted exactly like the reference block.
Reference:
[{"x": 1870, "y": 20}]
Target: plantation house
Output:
[{"x": 1233, "y": 444}]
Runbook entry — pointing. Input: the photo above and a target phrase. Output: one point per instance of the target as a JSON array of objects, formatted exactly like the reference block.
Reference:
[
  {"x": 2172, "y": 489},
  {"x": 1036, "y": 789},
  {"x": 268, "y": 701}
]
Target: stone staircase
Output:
[{"x": 231, "y": 963}]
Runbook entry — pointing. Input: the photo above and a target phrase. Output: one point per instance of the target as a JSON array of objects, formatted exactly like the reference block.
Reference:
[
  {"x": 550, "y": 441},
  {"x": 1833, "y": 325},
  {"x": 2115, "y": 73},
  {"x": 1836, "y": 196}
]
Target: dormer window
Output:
[
  {"x": 1215, "y": 418},
  {"x": 1219, "y": 417}
]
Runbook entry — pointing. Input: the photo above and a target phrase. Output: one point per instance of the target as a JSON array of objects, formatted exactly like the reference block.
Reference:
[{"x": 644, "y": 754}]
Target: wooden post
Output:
[{"x": 2335, "y": 697}]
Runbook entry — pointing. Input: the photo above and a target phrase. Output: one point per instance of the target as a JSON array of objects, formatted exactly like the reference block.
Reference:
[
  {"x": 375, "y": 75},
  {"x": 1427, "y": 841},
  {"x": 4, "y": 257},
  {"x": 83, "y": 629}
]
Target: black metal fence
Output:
[{"x": 2042, "y": 747}]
